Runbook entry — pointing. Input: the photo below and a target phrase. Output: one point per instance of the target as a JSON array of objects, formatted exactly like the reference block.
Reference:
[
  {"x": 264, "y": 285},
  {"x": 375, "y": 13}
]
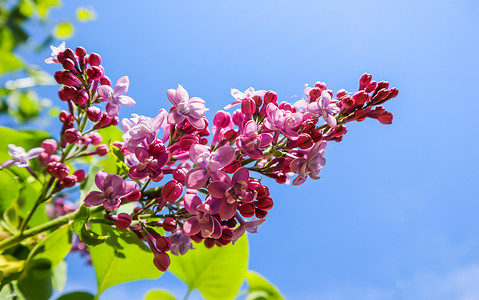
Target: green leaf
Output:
[
  {"x": 23, "y": 106},
  {"x": 59, "y": 277},
  {"x": 77, "y": 296},
  {"x": 159, "y": 295},
  {"x": 124, "y": 257},
  {"x": 9, "y": 191},
  {"x": 81, "y": 217},
  {"x": 89, "y": 184},
  {"x": 36, "y": 279},
  {"x": 85, "y": 14},
  {"x": 9, "y": 62},
  {"x": 217, "y": 272},
  {"x": 260, "y": 288},
  {"x": 63, "y": 30},
  {"x": 90, "y": 238},
  {"x": 44, "y": 5}
]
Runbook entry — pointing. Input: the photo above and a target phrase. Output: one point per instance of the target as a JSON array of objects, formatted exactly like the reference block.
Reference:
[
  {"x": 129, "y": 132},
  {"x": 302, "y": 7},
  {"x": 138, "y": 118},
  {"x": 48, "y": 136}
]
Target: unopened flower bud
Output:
[
  {"x": 96, "y": 138},
  {"x": 222, "y": 119},
  {"x": 246, "y": 209},
  {"x": 94, "y": 73},
  {"x": 265, "y": 203},
  {"x": 171, "y": 191},
  {"x": 180, "y": 175},
  {"x": 80, "y": 51},
  {"x": 238, "y": 118},
  {"x": 67, "y": 78},
  {"x": 371, "y": 87},
  {"x": 169, "y": 224},
  {"x": 209, "y": 243},
  {"x": 248, "y": 106},
  {"x": 68, "y": 53},
  {"x": 68, "y": 64},
  {"x": 115, "y": 121},
  {"x": 80, "y": 97},
  {"x": 260, "y": 214},
  {"x": 163, "y": 243},
  {"x": 50, "y": 146},
  {"x": 94, "y": 59},
  {"x": 232, "y": 167},
  {"x": 230, "y": 135},
  {"x": 360, "y": 115},
  {"x": 80, "y": 175},
  {"x": 304, "y": 141},
  {"x": 102, "y": 150},
  {"x": 93, "y": 113},
  {"x": 161, "y": 261},
  {"x": 133, "y": 196},
  {"x": 69, "y": 180},
  {"x": 364, "y": 81},
  {"x": 316, "y": 135},
  {"x": 122, "y": 221},
  {"x": 71, "y": 136},
  {"x": 105, "y": 80},
  {"x": 360, "y": 98},
  {"x": 188, "y": 140}
]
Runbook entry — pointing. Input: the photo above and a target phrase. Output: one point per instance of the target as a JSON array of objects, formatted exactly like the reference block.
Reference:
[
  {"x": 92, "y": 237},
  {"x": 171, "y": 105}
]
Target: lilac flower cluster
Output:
[{"x": 194, "y": 188}]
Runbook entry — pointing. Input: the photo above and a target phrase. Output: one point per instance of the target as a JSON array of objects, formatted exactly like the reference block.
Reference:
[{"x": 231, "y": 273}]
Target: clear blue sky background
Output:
[{"x": 395, "y": 215}]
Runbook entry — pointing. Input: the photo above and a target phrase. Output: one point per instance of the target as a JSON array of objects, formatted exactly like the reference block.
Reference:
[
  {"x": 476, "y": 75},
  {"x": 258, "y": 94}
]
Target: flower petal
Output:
[
  {"x": 121, "y": 86},
  {"x": 196, "y": 178},
  {"x": 191, "y": 226},
  {"x": 94, "y": 198}
]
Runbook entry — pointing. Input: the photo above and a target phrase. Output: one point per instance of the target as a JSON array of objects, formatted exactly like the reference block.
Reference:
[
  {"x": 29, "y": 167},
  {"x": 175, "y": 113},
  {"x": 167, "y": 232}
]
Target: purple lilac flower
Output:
[
  {"x": 183, "y": 107},
  {"x": 151, "y": 161},
  {"x": 20, "y": 158},
  {"x": 325, "y": 106},
  {"x": 141, "y": 130},
  {"x": 230, "y": 191},
  {"x": 311, "y": 165},
  {"x": 112, "y": 191},
  {"x": 240, "y": 96},
  {"x": 209, "y": 164},
  {"x": 55, "y": 51},
  {"x": 115, "y": 96},
  {"x": 250, "y": 141},
  {"x": 202, "y": 220},
  {"x": 180, "y": 243},
  {"x": 283, "y": 121},
  {"x": 249, "y": 226}
]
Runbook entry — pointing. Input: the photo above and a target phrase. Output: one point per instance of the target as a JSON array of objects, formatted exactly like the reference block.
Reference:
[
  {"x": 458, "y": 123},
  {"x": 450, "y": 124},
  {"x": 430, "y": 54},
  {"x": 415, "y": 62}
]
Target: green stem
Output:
[
  {"x": 53, "y": 224},
  {"x": 187, "y": 294}
]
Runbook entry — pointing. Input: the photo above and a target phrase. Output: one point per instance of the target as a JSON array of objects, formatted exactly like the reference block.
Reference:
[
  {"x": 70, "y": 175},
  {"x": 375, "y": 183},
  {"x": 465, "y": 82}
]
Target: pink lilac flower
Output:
[
  {"x": 283, "y": 121},
  {"x": 325, "y": 106},
  {"x": 151, "y": 161},
  {"x": 115, "y": 96},
  {"x": 311, "y": 165},
  {"x": 250, "y": 141},
  {"x": 183, "y": 108},
  {"x": 20, "y": 158},
  {"x": 209, "y": 164},
  {"x": 203, "y": 219},
  {"x": 249, "y": 226},
  {"x": 241, "y": 96},
  {"x": 141, "y": 130},
  {"x": 230, "y": 191},
  {"x": 112, "y": 191},
  {"x": 55, "y": 51},
  {"x": 180, "y": 243}
]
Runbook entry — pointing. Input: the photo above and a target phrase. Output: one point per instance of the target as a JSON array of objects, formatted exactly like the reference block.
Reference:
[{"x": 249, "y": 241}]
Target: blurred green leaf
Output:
[
  {"x": 159, "y": 295},
  {"x": 59, "y": 277},
  {"x": 122, "y": 258},
  {"x": 9, "y": 62},
  {"x": 77, "y": 296},
  {"x": 63, "y": 30},
  {"x": 261, "y": 289},
  {"x": 9, "y": 191},
  {"x": 23, "y": 105},
  {"x": 44, "y": 5},
  {"x": 85, "y": 14},
  {"x": 217, "y": 272}
]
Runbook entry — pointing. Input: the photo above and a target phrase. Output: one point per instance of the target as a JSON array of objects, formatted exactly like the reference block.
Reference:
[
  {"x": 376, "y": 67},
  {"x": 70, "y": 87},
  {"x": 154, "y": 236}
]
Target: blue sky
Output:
[{"x": 395, "y": 214}]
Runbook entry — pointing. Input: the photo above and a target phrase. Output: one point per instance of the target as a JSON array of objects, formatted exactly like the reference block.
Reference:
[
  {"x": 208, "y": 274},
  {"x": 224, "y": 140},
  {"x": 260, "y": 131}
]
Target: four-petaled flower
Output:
[
  {"x": 283, "y": 121},
  {"x": 203, "y": 219},
  {"x": 183, "y": 107},
  {"x": 55, "y": 51},
  {"x": 151, "y": 162},
  {"x": 249, "y": 226},
  {"x": 311, "y": 165},
  {"x": 141, "y": 130},
  {"x": 241, "y": 96},
  {"x": 115, "y": 96},
  {"x": 325, "y": 106},
  {"x": 112, "y": 191},
  {"x": 250, "y": 141},
  {"x": 20, "y": 158}
]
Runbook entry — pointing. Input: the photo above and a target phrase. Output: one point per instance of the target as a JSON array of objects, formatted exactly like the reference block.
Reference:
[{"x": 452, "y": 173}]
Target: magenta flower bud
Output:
[
  {"x": 253, "y": 183},
  {"x": 163, "y": 243},
  {"x": 232, "y": 167},
  {"x": 80, "y": 175},
  {"x": 371, "y": 87},
  {"x": 169, "y": 224},
  {"x": 248, "y": 106},
  {"x": 55, "y": 158},
  {"x": 71, "y": 136},
  {"x": 115, "y": 121},
  {"x": 382, "y": 85},
  {"x": 58, "y": 170},
  {"x": 63, "y": 95},
  {"x": 257, "y": 100},
  {"x": 260, "y": 214},
  {"x": 265, "y": 204},
  {"x": 238, "y": 118},
  {"x": 122, "y": 221},
  {"x": 360, "y": 115},
  {"x": 58, "y": 76},
  {"x": 270, "y": 97},
  {"x": 68, "y": 53},
  {"x": 96, "y": 138},
  {"x": 222, "y": 119},
  {"x": 364, "y": 81},
  {"x": 187, "y": 140},
  {"x": 180, "y": 175},
  {"x": 304, "y": 141},
  {"x": 134, "y": 196},
  {"x": 44, "y": 159},
  {"x": 93, "y": 113},
  {"x": 360, "y": 98},
  {"x": 50, "y": 146},
  {"x": 94, "y": 59},
  {"x": 104, "y": 121},
  {"x": 230, "y": 135},
  {"x": 392, "y": 93},
  {"x": 247, "y": 209},
  {"x": 316, "y": 135},
  {"x": 171, "y": 191},
  {"x": 94, "y": 73},
  {"x": 287, "y": 106},
  {"x": 161, "y": 261},
  {"x": 68, "y": 64},
  {"x": 80, "y": 51},
  {"x": 80, "y": 97},
  {"x": 68, "y": 79},
  {"x": 102, "y": 150},
  {"x": 105, "y": 80},
  {"x": 69, "y": 181}
]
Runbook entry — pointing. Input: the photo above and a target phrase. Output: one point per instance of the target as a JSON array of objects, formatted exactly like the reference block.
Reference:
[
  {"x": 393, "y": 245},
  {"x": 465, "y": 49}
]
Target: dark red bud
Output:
[
  {"x": 71, "y": 136},
  {"x": 122, "y": 221},
  {"x": 94, "y": 59},
  {"x": 163, "y": 243},
  {"x": 105, "y": 80},
  {"x": 248, "y": 106},
  {"x": 80, "y": 51},
  {"x": 246, "y": 210},
  {"x": 80, "y": 174},
  {"x": 94, "y": 73},
  {"x": 265, "y": 203},
  {"x": 260, "y": 214},
  {"x": 169, "y": 224},
  {"x": 68, "y": 64},
  {"x": 304, "y": 141},
  {"x": 80, "y": 97},
  {"x": 93, "y": 113},
  {"x": 171, "y": 191},
  {"x": 102, "y": 150}
]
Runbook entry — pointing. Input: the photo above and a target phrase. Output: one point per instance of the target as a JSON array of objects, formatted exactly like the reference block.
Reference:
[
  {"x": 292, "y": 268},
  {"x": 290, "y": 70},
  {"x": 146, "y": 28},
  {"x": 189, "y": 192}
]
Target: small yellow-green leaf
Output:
[
  {"x": 261, "y": 289},
  {"x": 159, "y": 295},
  {"x": 63, "y": 30},
  {"x": 9, "y": 62},
  {"x": 85, "y": 14},
  {"x": 9, "y": 191}
]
